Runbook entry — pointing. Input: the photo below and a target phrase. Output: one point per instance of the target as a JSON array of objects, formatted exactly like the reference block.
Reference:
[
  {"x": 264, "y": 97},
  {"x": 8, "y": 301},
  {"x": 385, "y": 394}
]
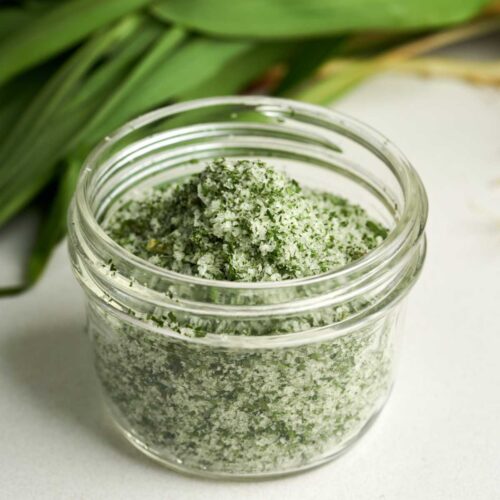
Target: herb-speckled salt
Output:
[
  {"x": 243, "y": 411},
  {"x": 244, "y": 221}
]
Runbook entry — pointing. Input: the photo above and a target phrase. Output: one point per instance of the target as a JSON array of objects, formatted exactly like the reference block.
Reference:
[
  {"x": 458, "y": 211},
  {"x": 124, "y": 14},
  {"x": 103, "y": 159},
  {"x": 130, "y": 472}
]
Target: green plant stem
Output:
[
  {"x": 332, "y": 84},
  {"x": 477, "y": 72}
]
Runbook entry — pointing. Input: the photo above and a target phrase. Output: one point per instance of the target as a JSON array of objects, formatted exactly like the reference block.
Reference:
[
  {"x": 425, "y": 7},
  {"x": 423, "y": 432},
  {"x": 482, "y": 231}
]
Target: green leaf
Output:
[
  {"x": 12, "y": 18},
  {"x": 16, "y": 95},
  {"x": 309, "y": 56},
  {"x": 57, "y": 29},
  {"x": 37, "y": 167},
  {"x": 241, "y": 71},
  {"x": 193, "y": 64},
  {"x": 56, "y": 92},
  {"x": 302, "y": 18},
  {"x": 28, "y": 156},
  {"x": 332, "y": 88},
  {"x": 51, "y": 229},
  {"x": 156, "y": 56},
  {"x": 116, "y": 67},
  {"x": 53, "y": 225}
]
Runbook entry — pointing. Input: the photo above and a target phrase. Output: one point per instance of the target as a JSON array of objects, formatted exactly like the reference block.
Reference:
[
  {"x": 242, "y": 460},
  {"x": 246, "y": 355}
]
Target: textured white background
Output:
[{"x": 438, "y": 437}]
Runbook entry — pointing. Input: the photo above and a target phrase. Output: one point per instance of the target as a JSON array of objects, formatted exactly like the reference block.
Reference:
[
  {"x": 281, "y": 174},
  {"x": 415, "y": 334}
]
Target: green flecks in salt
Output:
[
  {"x": 243, "y": 411},
  {"x": 244, "y": 221}
]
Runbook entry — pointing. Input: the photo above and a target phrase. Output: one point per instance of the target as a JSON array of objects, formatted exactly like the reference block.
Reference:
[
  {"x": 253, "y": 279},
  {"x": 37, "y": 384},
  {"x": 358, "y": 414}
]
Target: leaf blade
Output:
[
  {"x": 240, "y": 72},
  {"x": 194, "y": 63},
  {"x": 42, "y": 136},
  {"x": 161, "y": 49},
  {"x": 51, "y": 229},
  {"x": 53, "y": 225},
  {"x": 303, "y": 18},
  {"x": 57, "y": 29}
]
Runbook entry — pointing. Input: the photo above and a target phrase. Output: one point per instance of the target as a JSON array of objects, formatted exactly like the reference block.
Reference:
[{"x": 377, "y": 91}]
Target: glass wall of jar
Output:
[{"x": 234, "y": 379}]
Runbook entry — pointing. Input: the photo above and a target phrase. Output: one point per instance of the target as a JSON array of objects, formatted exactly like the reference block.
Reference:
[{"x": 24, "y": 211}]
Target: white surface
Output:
[{"x": 438, "y": 437}]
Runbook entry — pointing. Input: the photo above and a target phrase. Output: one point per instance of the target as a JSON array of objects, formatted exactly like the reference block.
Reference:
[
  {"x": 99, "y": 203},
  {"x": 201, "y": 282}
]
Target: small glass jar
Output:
[{"x": 244, "y": 380}]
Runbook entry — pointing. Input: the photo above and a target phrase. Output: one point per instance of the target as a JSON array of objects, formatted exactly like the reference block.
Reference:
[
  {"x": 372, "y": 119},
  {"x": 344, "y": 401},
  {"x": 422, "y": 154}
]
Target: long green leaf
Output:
[
  {"x": 39, "y": 140},
  {"x": 241, "y": 71},
  {"x": 114, "y": 70},
  {"x": 55, "y": 92},
  {"x": 336, "y": 86},
  {"x": 53, "y": 225},
  {"x": 51, "y": 229},
  {"x": 193, "y": 64},
  {"x": 16, "y": 95},
  {"x": 300, "y": 18},
  {"x": 156, "y": 56},
  {"x": 12, "y": 18},
  {"x": 37, "y": 168},
  {"x": 196, "y": 62},
  {"x": 59, "y": 28}
]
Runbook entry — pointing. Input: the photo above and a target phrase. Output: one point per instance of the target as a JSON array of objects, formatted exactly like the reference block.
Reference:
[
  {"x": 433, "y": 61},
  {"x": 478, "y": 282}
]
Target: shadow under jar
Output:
[{"x": 234, "y": 379}]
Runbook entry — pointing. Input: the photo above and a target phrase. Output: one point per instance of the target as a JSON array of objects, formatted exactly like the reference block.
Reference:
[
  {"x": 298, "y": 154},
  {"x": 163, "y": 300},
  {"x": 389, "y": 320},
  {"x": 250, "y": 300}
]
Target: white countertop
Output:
[{"x": 438, "y": 438}]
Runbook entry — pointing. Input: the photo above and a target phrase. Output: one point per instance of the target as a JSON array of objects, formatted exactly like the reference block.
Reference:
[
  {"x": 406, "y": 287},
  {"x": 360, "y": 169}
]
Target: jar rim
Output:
[{"x": 414, "y": 210}]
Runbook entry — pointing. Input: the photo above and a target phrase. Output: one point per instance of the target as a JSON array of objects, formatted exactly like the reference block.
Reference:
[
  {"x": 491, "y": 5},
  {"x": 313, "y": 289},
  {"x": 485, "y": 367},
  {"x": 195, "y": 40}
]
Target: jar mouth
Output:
[
  {"x": 414, "y": 213},
  {"x": 366, "y": 164}
]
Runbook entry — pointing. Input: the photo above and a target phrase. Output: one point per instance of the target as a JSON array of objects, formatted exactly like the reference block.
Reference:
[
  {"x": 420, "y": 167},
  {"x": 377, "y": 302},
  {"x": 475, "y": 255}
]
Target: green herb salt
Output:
[
  {"x": 233, "y": 410},
  {"x": 244, "y": 221}
]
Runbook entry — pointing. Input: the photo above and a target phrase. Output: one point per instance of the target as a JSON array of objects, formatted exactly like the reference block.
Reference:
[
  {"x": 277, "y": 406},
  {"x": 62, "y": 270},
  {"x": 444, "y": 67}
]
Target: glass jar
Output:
[{"x": 233, "y": 379}]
